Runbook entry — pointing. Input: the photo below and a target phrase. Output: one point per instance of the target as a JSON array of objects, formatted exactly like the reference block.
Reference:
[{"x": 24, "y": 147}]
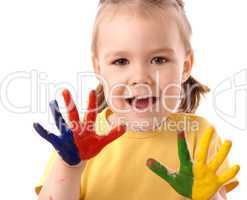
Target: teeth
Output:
[
  {"x": 143, "y": 97},
  {"x": 139, "y": 97},
  {"x": 130, "y": 100},
  {"x": 128, "y": 97}
]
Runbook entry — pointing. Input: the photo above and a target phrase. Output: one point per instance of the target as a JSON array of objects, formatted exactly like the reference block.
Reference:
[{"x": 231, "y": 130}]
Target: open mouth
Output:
[{"x": 141, "y": 103}]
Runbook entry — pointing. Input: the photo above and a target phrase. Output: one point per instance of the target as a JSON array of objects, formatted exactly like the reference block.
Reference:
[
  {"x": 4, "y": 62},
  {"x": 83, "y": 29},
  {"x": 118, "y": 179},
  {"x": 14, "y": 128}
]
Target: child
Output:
[{"x": 142, "y": 50}]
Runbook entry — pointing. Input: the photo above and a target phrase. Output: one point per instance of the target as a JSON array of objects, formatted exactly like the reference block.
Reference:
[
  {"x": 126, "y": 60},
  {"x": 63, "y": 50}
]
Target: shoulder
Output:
[
  {"x": 194, "y": 126},
  {"x": 190, "y": 121},
  {"x": 101, "y": 125}
]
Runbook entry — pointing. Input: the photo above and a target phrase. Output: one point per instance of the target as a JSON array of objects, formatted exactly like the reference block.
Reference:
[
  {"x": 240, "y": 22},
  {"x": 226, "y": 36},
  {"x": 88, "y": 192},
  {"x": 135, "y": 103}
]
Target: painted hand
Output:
[
  {"x": 64, "y": 144},
  {"x": 87, "y": 141},
  {"x": 73, "y": 145},
  {"x": 197, "y": 181}
]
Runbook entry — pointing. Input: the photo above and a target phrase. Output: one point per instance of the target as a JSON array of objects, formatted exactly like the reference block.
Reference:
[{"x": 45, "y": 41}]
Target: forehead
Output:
[{"x": 128, "y": 27}]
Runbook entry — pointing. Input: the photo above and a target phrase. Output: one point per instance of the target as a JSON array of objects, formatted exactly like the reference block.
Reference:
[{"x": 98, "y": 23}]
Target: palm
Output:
[
  {"x": 205, "y": 177},
  {"x": 181, "y": 181},
  {"x": 197, "y": 181},
  {"x": 80, "y": 142},
  {"x": 85, "y": 137},
  {"x": 206, "y": 181}
]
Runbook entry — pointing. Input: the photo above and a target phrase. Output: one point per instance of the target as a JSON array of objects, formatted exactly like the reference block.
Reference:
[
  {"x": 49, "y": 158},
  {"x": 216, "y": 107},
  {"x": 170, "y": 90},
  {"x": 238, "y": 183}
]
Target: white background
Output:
[{"x": 52, "y": 39}]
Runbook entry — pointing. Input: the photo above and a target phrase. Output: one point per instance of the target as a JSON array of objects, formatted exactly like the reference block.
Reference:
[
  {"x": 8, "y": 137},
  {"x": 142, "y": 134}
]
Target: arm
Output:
[
  {"x": 75, "y": 145},
  {"x": 63, "y": 183}
]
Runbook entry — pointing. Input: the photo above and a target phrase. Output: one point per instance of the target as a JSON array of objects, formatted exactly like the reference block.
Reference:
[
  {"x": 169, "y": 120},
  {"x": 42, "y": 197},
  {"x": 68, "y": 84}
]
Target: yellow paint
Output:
[{"x": 206, "y": 181}]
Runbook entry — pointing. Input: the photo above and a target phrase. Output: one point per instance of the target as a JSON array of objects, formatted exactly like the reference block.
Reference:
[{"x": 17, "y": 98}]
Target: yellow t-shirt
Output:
[{"x": 119, "y": 171}]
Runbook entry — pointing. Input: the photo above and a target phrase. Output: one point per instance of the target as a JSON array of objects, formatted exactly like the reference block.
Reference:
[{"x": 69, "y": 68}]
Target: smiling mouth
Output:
[{"x": 141, "y": 103}]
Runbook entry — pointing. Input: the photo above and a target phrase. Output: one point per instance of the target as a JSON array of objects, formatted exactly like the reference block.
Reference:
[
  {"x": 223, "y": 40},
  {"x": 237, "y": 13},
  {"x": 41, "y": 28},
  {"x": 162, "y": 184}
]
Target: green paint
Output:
[
  {"x": 184, "y": 155},
  {"x": 181, "y": 181}
]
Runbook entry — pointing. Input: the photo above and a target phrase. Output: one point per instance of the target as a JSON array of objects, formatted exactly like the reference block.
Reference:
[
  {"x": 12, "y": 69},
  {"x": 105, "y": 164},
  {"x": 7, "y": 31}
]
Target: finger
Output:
[
  {"x": 183, "y": 152},
  {"x": 60, "y": 122},
  {"x": 56, "y": 142},
  {"x": 41, "y": 131},
  {"x": 91, "y": 114},
  {"x": 221, "y": 155},
  {"x": 204, "y": 145},
  {"x": 71, "y": 109},
  {"x": 114, "y": 134},
  {"x": 184, "y": 155},
  {"x": 53, "y": 139},
  {"x": 160, "y": 170},
  {"x": 229, "y": 174},
  {"x": 70, "y": 105}
]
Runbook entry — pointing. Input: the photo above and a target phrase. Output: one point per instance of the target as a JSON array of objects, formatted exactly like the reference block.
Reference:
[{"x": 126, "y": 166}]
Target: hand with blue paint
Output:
[
  {"x": 64, "y": 144},
  {"x": 80, "y": 142}
]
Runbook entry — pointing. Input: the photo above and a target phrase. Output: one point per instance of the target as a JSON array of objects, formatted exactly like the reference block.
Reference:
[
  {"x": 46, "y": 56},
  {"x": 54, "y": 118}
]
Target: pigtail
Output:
[{"x": 192, "y": 91}]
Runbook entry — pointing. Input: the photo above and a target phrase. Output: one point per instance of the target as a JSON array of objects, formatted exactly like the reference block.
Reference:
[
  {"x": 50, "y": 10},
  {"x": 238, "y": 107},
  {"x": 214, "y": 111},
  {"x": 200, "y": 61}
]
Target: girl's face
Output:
[{"x": 140, "y": 57}]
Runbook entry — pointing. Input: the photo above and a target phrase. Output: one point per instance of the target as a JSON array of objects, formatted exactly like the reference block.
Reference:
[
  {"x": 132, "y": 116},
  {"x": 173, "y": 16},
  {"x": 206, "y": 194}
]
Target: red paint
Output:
[
  {"x": 86, "y": 140},
  {"x": 150, "y": 162},
  {"x": 181, "y": 134}
]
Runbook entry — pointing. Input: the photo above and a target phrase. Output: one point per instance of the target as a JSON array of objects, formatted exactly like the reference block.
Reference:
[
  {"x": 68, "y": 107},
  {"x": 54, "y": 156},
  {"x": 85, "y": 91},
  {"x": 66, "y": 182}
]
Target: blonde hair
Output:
[{"x": 192, "y": 90}]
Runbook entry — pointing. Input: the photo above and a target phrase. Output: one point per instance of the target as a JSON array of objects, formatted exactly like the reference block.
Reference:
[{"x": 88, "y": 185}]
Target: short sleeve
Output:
[{"x": 214, "y": 147}]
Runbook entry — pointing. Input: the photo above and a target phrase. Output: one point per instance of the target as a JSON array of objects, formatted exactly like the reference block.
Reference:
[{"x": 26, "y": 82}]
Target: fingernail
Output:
[
  {"x": 150, "y": 162},
  {"x": 181, "y": 134}
]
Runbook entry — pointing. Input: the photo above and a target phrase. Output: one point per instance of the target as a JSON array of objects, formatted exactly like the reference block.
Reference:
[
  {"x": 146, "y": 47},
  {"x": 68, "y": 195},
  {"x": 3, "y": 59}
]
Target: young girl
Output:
[{"x": 145, "y": 102}]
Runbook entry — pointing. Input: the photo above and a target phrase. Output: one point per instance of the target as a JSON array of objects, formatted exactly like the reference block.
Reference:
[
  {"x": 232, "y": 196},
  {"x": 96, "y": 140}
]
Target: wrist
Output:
[
  {"x": 216, "y": 197},
  {"x": 79, "y": 166}
]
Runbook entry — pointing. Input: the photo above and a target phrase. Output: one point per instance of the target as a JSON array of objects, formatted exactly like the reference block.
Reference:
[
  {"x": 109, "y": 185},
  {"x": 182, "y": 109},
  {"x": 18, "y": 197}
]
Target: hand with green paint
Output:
[{"x": 198, "y": 180}]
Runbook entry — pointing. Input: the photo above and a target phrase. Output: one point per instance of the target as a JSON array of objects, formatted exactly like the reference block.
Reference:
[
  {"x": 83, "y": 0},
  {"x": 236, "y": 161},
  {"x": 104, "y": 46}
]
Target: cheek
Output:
[
  {"x": 114, "y": 92},
  {"x": 170, "y": 87},
  {"x": 170, "y": 79},
  {"x": 112, "y": 87},
  {"x": 170, "y": 98},
  {"x": 113, "y": 78}
]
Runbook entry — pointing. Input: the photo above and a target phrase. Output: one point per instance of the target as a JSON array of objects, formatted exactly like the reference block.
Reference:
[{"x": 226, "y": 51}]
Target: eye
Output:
[
  {"x": 159, "y": 60},
  {"x": 120, "y": 61}
]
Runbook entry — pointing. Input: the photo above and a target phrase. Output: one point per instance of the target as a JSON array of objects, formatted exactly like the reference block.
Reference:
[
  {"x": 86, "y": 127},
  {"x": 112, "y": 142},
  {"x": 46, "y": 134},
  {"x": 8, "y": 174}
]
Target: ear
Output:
[
  {"x": 188, "y": 64},
  {"x": 96, "y": 66}
]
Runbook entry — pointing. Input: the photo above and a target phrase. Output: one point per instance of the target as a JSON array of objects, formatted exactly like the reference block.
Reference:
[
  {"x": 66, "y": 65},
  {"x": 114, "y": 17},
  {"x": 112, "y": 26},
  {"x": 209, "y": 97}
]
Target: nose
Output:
[{"x": 140, "y": 75}]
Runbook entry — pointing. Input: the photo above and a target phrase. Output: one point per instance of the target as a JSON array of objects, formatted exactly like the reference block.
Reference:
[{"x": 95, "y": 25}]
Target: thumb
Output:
[
  {"x": 160, "y": 170},
  {"x": 114, "y": 134}
]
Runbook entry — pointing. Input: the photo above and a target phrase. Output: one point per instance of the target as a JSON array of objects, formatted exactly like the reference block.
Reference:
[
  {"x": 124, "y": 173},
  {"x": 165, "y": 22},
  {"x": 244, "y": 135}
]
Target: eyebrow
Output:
[
  {"x": 163, "y": 49},
  {"x": 116, "y": 53}
]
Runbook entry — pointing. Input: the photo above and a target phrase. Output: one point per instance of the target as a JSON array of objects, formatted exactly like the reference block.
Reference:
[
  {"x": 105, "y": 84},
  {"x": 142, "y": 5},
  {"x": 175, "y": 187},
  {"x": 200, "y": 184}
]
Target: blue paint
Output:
[{"x": 64, "y": 143}]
